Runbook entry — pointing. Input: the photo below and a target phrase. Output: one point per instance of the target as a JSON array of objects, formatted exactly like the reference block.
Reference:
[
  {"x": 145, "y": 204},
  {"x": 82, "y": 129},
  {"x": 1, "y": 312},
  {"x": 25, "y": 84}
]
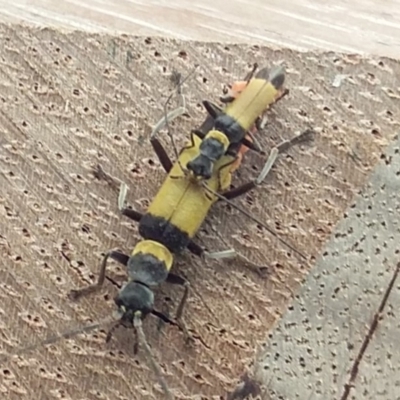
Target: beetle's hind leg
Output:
[
  {"x": 116, "y": 183},
  {"x": 232, "y": 194},
  {"x": 123, "y": 190},
  {"x": 85, "y": 291},
  {"x": 178, "y": 280},
  {"x": 231, "y": 253},
  {"x": 262, "y": 121},
  {"x": 101, "y": 175},
  {"x": 261, "y": 270},
  {"x": 273, "y": 156}
]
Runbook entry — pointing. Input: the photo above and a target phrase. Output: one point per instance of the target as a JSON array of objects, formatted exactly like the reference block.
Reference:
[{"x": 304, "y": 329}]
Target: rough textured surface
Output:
[
  {"x": 367, "y": 26},
  {"x": 312, "y": 352},
  {"x": 379, "y": 370},
  {"x": 70, "y": 101}
]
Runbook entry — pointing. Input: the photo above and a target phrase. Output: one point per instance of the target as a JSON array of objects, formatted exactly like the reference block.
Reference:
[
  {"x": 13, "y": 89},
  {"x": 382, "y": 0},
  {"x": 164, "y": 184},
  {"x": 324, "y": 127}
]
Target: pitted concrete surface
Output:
[{"x": 316, "y": 350}]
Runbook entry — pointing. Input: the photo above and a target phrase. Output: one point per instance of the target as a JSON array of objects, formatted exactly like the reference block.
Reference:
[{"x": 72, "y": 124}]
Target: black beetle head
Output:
[
  {"x": 134, "y": 297},
  {"x": 201, "y": 166}
]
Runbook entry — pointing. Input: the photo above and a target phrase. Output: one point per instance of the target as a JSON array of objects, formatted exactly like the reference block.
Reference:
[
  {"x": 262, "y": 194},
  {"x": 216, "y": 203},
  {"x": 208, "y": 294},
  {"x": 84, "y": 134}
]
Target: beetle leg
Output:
[{"x": 117, "y": 256}]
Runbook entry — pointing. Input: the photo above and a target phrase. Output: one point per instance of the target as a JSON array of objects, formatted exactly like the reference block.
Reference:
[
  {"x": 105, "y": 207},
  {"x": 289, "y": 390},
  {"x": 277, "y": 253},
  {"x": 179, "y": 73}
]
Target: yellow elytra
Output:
[
  {"x": 252, "y": 101},
  {"x": 181, "y": 200}
]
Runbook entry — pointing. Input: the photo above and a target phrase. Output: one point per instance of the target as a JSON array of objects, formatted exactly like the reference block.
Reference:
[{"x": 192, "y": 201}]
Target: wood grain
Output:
[
  {"x": 71, "y": 100},
  {"x": 367, "y": 26}
]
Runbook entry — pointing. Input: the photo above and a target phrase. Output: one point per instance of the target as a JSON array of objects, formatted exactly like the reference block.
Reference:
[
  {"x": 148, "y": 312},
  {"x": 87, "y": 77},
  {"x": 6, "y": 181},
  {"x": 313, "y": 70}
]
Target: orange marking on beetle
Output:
[{"x": 235, "y": 90}]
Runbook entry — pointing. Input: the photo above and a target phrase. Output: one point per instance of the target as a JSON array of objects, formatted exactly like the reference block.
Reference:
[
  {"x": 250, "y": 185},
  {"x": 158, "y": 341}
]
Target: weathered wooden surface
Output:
[
  {"x": 369, "y": 26},
  {"x": 70, "y": 101}
]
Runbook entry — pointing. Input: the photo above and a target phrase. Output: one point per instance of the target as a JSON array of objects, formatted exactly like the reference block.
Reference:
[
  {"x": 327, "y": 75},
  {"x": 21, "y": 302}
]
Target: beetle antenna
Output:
[
  {"x": 137, "y": 322},
  {"x": 178, "y": 89},
  {"x": 55, "y": 338},
  {"x": 254, "y": 219}
]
